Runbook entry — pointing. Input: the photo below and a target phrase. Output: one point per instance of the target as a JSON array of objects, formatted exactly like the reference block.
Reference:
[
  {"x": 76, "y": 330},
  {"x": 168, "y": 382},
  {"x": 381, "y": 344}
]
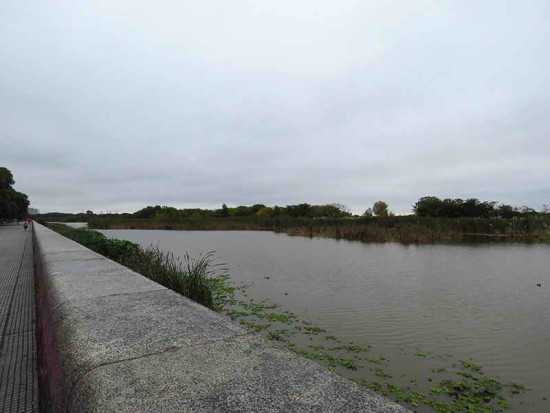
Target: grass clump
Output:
[{"x": 201, "y": 279}]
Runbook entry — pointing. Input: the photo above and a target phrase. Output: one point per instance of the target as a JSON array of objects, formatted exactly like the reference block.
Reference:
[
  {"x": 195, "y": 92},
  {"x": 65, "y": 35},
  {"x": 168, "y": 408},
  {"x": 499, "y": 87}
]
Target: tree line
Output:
[
  {"x": 13, "y": 204},
  {"x": 303, "y": 210},
  {"x": 432, "y": 206},
  {"x": 429, "y": 206}
]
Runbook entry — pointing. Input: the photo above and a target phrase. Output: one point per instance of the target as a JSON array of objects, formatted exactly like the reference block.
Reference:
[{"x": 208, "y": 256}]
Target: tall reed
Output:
[
  {"x": 202, "y": 279},
  {"x": 409, "y": 229}
]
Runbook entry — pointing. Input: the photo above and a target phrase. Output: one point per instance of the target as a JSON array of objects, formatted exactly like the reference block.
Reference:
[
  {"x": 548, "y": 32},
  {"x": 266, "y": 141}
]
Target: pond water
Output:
[{"x": 478, "y": 301}]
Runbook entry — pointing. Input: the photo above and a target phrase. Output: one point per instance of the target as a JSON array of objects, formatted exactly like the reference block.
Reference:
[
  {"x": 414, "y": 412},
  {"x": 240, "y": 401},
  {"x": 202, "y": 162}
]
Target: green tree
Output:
[
  {"x": 506, "y": 211},
  {"x": 329, "y": 210},
  {"x": 338, "y": 210},
  {"x": 13, "y": 204},
  {"x": 240, "y": 211},
  {"x": 428, "y": 206},
  {"x": 278, "y": 210},
  {"x": 167, "y": 213},
  {"x": 380, "y": 209},
  {"x": 224, "y": 212},
  {"x": 265, "y": 212},
  {"x": 300, "y": 210},
  {"x": 368, "y": 213},
  {"x": 431, "y": 206},
  {"x": 147, "y": 212},
  {"x": 255, "y": 208}
]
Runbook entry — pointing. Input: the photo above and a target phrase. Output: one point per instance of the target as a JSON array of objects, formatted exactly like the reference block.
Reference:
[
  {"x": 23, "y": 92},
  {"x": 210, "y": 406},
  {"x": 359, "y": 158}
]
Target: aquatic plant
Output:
[
  {"x": 348, "y": 363},
  {"x": 313, "y": 330},
  {"x": 464, "y": 388},
  {"x": 332, "y": 338},
  {"x": 381, "y": 373},
  {"x": 280, "y": 335}
]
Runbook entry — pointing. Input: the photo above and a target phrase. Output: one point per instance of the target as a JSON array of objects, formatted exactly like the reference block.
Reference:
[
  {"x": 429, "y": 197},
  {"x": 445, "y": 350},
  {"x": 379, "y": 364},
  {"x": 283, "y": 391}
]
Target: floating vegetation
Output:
[
  {"x": 313, "y": 330},
  {"x": 461, "y": 387},
  {"x": 254, "y": 326},
  {"x": 280, "y": 335},
  {"x": 468, "y": 365},
  {"x": 473, "y": 392},
  {"x": 517, "y": 388},
  {"x": 381, "y": 373},
  {"x": 352, "y": 348},
  {"x": 348, "y": 363},
  {"x": 378, "y": 360},
  {"x": 234, "y": 314},
  {"x": 317, "y": 347},
  {"x": 332, "y": 338},
  {"x": 281, "y": 318}
]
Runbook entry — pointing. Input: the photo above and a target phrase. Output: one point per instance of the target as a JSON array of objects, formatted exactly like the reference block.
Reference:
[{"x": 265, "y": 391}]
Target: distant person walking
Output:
[{"x": 26, "y": 224}]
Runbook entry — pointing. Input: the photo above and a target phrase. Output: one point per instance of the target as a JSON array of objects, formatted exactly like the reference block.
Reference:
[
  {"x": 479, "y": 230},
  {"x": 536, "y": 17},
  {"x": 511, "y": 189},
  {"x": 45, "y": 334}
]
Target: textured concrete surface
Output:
[
  {"x": 18, "y": 375},
  {"x": 115, "y": 341}
]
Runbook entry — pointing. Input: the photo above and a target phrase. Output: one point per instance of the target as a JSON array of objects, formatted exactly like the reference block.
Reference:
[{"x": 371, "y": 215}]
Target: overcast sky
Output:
[{"x": 115, "y": 105}]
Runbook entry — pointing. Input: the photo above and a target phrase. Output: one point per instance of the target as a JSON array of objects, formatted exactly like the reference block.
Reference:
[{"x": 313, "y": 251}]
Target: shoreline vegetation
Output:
[
  {"x": 402, "y": 229},
  {"x": 453, "y": 386},
  {"x": 433, "y": 220},
  {"x": 14, "y": 205},
  {"x": 201, "y": 279}
]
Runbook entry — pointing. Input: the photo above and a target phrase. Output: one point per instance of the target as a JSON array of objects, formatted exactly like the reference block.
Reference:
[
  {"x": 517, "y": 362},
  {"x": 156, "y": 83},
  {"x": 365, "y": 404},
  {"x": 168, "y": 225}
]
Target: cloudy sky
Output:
[{"x": 115, "y": 105}]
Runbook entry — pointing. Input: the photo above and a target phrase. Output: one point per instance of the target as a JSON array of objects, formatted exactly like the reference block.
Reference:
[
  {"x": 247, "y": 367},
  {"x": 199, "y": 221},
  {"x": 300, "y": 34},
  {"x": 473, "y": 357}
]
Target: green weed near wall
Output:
[{"x": 199, "y": 279}]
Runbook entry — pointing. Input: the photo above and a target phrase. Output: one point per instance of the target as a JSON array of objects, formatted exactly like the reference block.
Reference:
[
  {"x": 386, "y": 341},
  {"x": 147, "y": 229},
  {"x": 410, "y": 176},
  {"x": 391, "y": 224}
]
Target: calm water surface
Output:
[{"x": 459, "y": 301}]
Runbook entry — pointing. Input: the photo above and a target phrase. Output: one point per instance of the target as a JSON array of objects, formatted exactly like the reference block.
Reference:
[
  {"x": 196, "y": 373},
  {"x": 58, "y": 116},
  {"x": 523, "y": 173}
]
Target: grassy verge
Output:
[{"x": 200, "y": 279}]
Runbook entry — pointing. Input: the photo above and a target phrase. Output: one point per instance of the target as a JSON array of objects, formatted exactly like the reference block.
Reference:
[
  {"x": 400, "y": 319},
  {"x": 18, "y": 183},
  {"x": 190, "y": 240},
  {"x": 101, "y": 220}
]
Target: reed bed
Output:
[{"x": 404, "y": 229}]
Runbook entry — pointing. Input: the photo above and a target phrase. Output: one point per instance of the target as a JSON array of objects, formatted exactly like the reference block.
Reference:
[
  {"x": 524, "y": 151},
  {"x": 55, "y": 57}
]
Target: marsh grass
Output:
[
  {"x": 200, "y": 279},
  {"x": 403, "y": 229}
]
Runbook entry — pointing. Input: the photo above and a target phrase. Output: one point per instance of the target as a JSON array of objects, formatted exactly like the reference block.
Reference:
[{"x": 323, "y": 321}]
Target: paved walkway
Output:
[{"x": 18, "y": 378}]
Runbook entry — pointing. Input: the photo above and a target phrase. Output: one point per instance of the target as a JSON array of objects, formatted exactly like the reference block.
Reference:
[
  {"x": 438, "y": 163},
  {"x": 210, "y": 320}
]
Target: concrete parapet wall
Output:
[{"x": 111, "y": 340}]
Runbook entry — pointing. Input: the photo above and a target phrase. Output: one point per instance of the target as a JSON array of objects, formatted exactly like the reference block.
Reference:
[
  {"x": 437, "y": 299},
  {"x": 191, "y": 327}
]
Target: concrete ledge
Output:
[{"x": 111, "y": 340}]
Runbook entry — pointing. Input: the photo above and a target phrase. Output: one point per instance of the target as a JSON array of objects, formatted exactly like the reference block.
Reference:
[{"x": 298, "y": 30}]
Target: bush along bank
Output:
[{"x": 201, "y": 279}]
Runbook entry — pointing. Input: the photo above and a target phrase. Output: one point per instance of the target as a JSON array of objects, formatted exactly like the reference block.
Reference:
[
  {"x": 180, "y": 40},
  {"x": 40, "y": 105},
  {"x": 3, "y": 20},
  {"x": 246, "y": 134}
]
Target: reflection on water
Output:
[{"x": 478, "y": 300}]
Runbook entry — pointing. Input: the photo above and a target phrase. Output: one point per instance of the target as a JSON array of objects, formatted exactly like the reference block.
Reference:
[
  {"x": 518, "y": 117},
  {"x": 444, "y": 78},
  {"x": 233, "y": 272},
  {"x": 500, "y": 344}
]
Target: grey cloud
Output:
[{"x": 116, "y": 105}]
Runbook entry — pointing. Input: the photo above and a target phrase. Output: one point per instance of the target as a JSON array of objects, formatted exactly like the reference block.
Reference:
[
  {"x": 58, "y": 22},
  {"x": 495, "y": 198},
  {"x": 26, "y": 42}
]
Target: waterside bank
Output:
[{"x": 120, "y": 342}]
